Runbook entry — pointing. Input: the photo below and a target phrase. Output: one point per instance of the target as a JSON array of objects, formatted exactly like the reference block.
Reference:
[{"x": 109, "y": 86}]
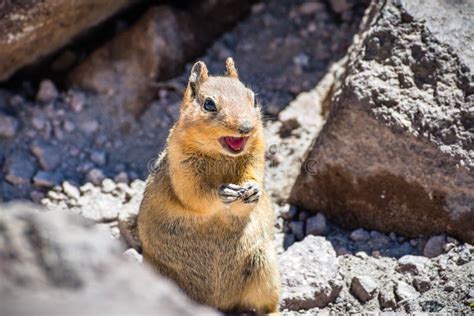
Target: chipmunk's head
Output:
[{"x": 219, "y": 114}]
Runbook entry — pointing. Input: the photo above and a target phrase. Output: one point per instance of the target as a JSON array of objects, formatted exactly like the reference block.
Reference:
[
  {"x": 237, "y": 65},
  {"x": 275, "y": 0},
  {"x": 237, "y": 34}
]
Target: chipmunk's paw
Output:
[
  {"x": 252, "y": 192},
  {"x": 229, "y": 192}
]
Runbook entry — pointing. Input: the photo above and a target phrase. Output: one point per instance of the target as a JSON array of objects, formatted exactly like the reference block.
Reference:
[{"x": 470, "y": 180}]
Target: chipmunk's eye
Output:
[{"x": 210, "y": 105}]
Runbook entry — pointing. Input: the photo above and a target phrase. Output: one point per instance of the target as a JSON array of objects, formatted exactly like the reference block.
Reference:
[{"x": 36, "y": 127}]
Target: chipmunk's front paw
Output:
[
  {"x": 229, "y": 192},
  {"x": 252, "y": 192}
]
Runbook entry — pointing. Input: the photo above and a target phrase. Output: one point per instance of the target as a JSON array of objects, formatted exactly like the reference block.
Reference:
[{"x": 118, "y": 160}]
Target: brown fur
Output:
[{"x": 221, "y": 254}]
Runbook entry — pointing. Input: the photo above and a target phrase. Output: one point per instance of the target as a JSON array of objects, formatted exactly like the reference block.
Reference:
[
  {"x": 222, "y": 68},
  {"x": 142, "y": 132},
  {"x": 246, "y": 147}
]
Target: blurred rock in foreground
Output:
[
  {"x": 32, "y": 29},
  {"x": 56, "y": 263},
  {"x": 396, "y": 153}
]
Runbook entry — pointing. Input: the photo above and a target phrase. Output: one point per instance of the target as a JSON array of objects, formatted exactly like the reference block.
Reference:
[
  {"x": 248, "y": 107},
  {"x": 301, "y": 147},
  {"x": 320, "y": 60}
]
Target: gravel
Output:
[{"x": 404, "y": 279}]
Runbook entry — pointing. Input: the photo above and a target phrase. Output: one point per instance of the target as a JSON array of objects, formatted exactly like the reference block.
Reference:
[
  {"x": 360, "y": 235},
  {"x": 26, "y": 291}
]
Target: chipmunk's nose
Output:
[{"x": 246, "y": 127}]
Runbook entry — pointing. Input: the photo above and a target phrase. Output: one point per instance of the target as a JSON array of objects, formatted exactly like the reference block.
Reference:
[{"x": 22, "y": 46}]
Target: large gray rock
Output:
[
  {"x": 396, "y": 153},
  {"x": 309, "y": 274},
  {"x": 32, "y": 29},
  {"x": 56, "y": 263}
]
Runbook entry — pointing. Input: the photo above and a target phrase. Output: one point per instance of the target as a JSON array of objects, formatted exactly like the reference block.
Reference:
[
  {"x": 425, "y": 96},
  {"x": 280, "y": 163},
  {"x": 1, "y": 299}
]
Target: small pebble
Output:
[
  {"x": 405, "y": 292},
  {"x": 465, "y": 256},
  {"x": 341, "y": 251},
  {"x": 449, "y": 287},
  {"x": 76, "y": 101},
  {"x": 69, "y": 126},
  {"x": 86, "y": 188},
  {"x": 316, "y": 225},
  {"x": 340, "y": 6},
  {"x": 108, "y": 185},
  {"x": 38, "y": 122},
  {"x": 99, "y": 157},
  {"x": 19, "y": 168},
  {"x": 422, "y": 284},
  {"x": 360, "y": 235},
  {"x": 8, "y": 126},
  {"x": 95, "y": 176},
  {"x": 363, "y": 288},
  {"x": 288, "y": 240},
  {"x": 133, "y": 255},
  {"x": 47, "y": 91},
  {"x": 122, "y": 177},
  {"x": 70, "y": 190},
  {"x": 452, "y": 240},
  {"x": 36, "y": 196},
  {"x": 309, "y": 8},
  {"x": 303, "y": 215},
  {"x": 361, "y": 255},
  {"x": 46, "y": 179},
  {"x": 376, "y": 254},
  {"x": 90, "y": 127},
  {"x": 393, "y": 236},
  {"x": 434, "y": 246},
  {"x": 298, "y": 229},
  {"x": 288, "y": 211},
  {"x": 48, "y": 156}
]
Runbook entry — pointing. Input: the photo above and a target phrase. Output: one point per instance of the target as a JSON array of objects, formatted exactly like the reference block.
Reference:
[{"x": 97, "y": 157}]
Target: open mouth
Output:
[{"x": 233, "y": 144}]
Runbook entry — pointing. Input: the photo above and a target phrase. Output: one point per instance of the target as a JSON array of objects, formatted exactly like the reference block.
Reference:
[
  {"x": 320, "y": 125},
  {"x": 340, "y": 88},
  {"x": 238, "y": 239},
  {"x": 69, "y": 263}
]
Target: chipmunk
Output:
[{"x": 205, "y": 220}]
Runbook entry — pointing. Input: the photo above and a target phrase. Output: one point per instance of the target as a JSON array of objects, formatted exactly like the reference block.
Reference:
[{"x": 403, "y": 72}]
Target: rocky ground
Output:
[
  {"x": 70, "y": 150},
  {"x": 324, "y": 267},
  {"x": 49, "y": 135}
]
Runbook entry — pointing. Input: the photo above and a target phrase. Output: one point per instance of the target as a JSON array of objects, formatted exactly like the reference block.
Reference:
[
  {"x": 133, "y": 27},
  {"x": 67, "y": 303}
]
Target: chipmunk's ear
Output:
[
  {"x": 199, "y": 74},
  {"x": 231, "y": 71}
]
